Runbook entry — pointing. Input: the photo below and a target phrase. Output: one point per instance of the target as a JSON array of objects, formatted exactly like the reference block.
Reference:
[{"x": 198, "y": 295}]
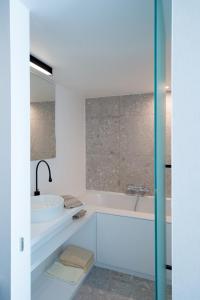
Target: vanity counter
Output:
[{"x": 48, "y": 236}]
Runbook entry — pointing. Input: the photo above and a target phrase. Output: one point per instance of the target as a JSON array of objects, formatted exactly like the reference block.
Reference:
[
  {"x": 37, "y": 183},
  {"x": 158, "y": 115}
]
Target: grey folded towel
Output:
[
  {"x": 80, "y": 214},
  {"x": 71, "y": 201},
  {"x": 77, "y": 257}
]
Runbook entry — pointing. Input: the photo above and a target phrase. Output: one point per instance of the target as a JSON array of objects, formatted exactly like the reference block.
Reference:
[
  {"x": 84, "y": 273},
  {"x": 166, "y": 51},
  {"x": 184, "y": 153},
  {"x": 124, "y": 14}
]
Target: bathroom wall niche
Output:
[{"x": 42, "y": 106}]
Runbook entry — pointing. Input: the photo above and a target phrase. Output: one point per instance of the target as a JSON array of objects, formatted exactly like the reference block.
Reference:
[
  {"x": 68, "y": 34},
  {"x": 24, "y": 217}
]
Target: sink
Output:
[{"x": 46, "y": 207}]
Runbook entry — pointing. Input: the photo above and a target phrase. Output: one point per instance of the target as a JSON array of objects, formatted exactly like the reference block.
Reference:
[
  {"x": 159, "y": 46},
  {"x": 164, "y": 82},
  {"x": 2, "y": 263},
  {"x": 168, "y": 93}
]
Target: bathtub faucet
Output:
[
  {"x": 131, "y": 189},
  {"x": 138, "y": 191}
]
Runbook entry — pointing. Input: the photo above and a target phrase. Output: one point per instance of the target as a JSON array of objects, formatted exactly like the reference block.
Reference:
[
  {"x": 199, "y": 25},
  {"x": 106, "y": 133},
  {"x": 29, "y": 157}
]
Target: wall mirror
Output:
[{"x": 42, "y": 105}]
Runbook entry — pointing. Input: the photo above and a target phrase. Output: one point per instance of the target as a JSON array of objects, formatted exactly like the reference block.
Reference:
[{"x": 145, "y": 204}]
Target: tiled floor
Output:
[{"x": 103, "y": 284}]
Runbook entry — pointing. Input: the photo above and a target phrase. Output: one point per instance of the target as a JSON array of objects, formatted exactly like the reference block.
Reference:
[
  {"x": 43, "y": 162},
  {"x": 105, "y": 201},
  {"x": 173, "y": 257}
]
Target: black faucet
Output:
[{"x": 37, "y": 192}]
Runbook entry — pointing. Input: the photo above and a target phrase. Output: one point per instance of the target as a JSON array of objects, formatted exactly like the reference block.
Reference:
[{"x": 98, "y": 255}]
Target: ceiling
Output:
[{"x": 97, "y": 47}]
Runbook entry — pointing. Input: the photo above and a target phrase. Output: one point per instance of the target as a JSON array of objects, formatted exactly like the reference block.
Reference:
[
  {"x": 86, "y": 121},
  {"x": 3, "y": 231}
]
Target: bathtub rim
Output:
[
  {"x": 122, "y": 212},
  {"x": 115, "y": 193}
]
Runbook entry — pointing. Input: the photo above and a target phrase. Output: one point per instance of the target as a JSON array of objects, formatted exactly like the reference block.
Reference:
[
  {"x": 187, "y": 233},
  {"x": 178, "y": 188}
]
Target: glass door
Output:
[{"x": 159, "y": 151}]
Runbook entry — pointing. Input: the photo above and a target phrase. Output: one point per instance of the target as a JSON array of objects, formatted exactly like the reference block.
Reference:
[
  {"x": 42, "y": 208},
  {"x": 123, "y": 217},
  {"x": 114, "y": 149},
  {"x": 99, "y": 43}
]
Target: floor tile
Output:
[{"x": 103, "y": 284}]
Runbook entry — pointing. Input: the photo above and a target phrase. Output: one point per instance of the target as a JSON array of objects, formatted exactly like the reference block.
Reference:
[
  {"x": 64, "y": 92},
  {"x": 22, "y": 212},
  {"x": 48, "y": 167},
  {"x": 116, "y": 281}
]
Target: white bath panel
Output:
[{"x": 126, "y": 243}]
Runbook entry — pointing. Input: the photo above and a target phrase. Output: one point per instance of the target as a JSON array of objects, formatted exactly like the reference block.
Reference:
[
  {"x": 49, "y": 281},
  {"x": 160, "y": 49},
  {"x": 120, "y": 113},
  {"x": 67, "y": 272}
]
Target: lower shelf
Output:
[
  {"x": 49, "y": 288},
  {"x": 47, "y": 247}
]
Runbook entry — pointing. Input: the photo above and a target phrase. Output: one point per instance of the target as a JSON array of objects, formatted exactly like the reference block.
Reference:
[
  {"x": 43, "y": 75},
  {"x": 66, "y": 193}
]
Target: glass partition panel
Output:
[{"x": 159, "y": 152}]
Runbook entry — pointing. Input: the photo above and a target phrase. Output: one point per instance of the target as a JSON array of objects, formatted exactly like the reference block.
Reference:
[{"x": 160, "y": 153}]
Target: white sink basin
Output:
[{"x": 46, "y": 207}]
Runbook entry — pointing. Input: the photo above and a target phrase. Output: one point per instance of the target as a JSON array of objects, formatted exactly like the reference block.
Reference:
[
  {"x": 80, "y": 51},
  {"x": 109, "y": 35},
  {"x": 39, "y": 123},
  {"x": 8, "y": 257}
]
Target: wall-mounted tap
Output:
[
  {"x": 37, "y": 192},
  {"x": 131, "y": 189}
]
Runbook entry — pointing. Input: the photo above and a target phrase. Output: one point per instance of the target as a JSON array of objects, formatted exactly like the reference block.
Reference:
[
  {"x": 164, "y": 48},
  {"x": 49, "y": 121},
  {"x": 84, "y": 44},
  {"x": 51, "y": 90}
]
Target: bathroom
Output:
[
  {"x": 99, "y": 124},
  {"x": 95, "y": 117},
  {"x": 93, "y": 122}
]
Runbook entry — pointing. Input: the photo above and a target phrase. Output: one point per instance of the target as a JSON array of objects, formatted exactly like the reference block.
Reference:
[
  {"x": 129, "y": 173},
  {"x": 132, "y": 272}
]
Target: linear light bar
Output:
[{"x": 40, "y": 66}]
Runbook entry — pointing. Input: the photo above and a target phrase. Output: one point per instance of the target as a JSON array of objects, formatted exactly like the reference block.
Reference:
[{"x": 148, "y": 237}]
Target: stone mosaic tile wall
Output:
[
  {"x": 43, "y": 139},
  {"x": 119, "y": 142}
]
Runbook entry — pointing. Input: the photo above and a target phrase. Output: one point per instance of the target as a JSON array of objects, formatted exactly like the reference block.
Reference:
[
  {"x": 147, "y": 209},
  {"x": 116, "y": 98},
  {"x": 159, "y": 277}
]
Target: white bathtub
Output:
[
  {"x": 123, "y": 202},
  {"x": 125, "y": 237}
]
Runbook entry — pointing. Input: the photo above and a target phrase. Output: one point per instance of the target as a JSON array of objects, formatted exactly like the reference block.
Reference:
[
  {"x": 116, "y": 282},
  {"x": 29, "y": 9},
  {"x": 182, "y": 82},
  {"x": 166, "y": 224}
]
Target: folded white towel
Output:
[{"x": 65, "y": 273}]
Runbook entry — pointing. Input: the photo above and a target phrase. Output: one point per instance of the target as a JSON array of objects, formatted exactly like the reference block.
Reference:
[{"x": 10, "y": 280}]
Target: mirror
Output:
[{"x": 42, "y": 105}]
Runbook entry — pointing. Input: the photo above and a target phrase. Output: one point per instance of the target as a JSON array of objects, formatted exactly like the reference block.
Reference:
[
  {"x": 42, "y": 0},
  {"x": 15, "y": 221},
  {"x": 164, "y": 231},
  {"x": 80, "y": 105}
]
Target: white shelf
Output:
[
  {"x": 49, "y": 288},
  {"x": 56, "y": 239},
  {"x": 41, "y": 232}
]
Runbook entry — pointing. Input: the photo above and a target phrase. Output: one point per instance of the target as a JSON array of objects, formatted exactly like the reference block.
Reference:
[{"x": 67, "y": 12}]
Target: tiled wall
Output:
[{"x": 119, "y": 142}]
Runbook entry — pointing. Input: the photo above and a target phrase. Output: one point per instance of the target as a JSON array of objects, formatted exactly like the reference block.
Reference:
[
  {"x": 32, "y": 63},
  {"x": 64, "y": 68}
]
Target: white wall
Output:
[
  {"x": 186, "y": 149},
  {"x": 68, "y": 168},
  {"x": 14, "y": 151}
]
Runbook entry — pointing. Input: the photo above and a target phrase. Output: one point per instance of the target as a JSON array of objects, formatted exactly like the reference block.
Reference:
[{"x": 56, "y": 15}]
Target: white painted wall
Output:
[
  {"x": 186, "y": 149},
  {"x": 14, "y": 151},
  {"x": 68, "y": 168}
]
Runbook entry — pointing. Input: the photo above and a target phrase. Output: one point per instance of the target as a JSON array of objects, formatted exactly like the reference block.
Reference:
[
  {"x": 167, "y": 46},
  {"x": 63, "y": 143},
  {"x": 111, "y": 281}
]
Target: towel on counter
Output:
[
  {"x": 80, "y": 214},
  {"x": 65, "y": 273},
  {"x": 71, "y": 201},
  {"x": 77, "y": 257}
]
